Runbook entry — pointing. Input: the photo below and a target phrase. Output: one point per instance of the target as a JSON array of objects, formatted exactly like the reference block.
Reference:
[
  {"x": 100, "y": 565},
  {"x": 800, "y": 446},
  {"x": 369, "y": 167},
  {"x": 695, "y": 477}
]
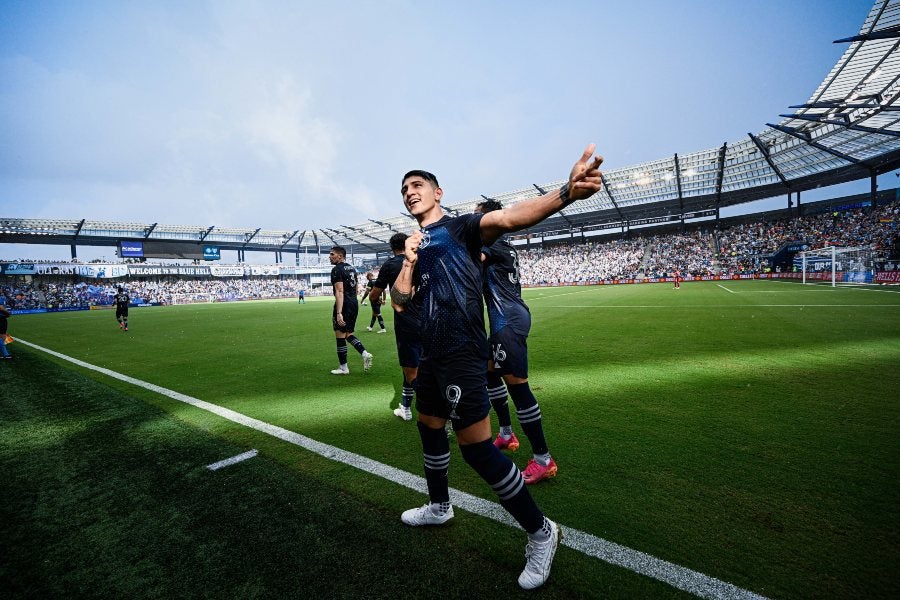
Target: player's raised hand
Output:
[
  {"x": 584, "y": 180},
  {"x": 412, "y": 246}
]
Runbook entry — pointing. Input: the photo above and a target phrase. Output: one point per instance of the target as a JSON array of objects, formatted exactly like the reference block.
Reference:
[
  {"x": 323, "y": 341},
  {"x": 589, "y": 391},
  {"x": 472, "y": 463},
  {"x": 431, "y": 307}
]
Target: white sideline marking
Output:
[
  {"x": 670, "y": 307},
  {"x": 233, "y": 460},
  {"x": 726, "y": 289},
  {"x": 676, "y": 576}
]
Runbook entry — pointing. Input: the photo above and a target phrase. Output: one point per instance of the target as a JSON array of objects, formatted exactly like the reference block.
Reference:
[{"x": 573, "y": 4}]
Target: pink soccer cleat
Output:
[
  {"x": 512, "y": 444},
  {"x": 535, "y": 471}
]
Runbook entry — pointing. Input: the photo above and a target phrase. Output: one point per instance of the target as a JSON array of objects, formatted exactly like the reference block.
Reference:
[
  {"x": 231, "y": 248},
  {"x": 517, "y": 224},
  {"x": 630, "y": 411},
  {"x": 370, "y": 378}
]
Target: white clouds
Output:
[
  {"x": 283, "y": 129},
  {"x": 305, "y": 114}
]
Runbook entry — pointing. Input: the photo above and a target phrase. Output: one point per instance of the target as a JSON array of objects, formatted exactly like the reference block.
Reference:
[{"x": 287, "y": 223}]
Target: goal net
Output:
[
  {"x": 838, "y": 266},
  {"x": 193, "y": 298}
]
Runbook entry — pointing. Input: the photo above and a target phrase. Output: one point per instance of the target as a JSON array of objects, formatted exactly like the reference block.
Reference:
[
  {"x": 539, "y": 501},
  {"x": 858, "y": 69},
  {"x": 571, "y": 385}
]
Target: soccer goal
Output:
[
  {"x": 193, "y": 298},
  {"x": 838, "y": 266}
]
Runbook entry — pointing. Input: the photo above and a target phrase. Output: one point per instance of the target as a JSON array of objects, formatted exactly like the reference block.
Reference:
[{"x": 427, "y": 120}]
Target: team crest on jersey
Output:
[{"x": 426, "y": 239}]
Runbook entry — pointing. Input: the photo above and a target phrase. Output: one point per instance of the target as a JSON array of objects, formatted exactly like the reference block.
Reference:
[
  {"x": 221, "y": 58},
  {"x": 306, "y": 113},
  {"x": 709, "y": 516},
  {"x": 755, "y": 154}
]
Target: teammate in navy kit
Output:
[
  {"x": 451, "y": 381},
  {"x": 406, "y": 325},
  {"x": 510, "y": 323},
  {"x": 343, "y": 319},
  {"x": 376, "y": 301},
  {"x": 122, "y": 300}
]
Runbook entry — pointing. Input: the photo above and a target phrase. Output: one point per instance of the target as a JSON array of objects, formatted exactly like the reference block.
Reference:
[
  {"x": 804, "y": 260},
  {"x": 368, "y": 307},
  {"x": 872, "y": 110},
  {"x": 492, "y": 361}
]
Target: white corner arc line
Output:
[
  {"x": 233, "y": 460},
  {"x": 682, "y": 578}
]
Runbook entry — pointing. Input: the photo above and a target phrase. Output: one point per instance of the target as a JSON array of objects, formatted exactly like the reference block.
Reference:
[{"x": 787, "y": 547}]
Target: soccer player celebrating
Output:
[
  {"x": 406, "y": 325},
  {"x": 122, "y": 300},
  {"x": 451, "y": 383},
  {"x": 343, "y": 319},
  {"x": 510, "y": 322}
]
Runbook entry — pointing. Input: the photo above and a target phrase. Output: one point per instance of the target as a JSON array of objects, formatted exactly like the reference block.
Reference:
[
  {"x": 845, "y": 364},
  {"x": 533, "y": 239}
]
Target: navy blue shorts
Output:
[
  {"x": 409, "y": 350},
  {"x": 454, "y": 387},
  {"x": 349, "y": 313},
  {"x": 510, "y": 353}
]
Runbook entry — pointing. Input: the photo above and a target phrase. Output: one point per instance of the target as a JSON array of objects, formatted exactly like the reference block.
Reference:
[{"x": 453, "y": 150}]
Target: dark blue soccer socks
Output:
[
  {"x": 497, "y": 394},
  {"x": 354, "y": 341},
  {"x": 409, "y": 391},
  {"x": 342, "y": 351},
  {"x": 529, "y": 415},
  {"x": 507, "y": 481},
  {"x": 436, "y": 450}
]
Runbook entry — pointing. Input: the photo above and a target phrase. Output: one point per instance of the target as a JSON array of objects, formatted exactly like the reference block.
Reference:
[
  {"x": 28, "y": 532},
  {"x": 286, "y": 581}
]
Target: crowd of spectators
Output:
[
  {"x": 585, "y": 262},
  {"x": 741, "y": 249},
  {"x": 690, "y": 254},
  {"x": 53, "y": 295},
  {"x": 746, "y": 248}
]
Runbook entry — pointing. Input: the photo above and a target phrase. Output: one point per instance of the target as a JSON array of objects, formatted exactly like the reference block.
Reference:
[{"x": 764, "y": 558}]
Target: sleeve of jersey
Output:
[
  {"x": 489, "y": 256},
  {"x": 335, "y": 275},
  {"x": 386, "y": 275},
  {"x": 467, "y": 228}
]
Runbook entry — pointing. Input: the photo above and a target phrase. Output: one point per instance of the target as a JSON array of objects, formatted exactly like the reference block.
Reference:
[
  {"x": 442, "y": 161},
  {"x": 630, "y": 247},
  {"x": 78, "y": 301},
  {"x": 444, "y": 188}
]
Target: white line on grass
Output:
[
  {"x": 672, "y": 306},
  {"x": 726, "y": 289},
  {"x": 546, "y": 296},
  {"x": 678, "y": 577},
  {"x": 232, "y": 461}
]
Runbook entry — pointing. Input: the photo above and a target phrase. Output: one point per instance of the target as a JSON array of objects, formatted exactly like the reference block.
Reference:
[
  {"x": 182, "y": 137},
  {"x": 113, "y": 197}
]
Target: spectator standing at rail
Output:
[
  {"x": 406, "y": 325},
  {"x": 346, "y": 309},
  {"x": 451, "y": 382},
  {"x": 510, "y": 323}
]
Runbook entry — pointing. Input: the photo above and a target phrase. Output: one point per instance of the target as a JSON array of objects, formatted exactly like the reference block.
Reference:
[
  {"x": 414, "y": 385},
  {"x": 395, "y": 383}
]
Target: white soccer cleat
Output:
[
  {"x": 416, "y": 517},
  {"x": 383, "y": 331},
  {"x": 539, "y": 557},
  {"x": 368, "y": 329},
  {"x": 404, "y": 413},
  {"x": 367, "y": 360},
  {"x": 341, "y": 371}
]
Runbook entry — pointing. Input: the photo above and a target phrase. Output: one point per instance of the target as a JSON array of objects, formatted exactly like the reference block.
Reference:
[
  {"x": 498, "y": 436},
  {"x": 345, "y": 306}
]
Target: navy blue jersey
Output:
[
  {"x": 450, "y": 286},
  {"x": 347, "y": 275},
  {"x": 122, "y": 300},
  {"x": 502, "y": 289},
  {"x": 406, "y": 322}
]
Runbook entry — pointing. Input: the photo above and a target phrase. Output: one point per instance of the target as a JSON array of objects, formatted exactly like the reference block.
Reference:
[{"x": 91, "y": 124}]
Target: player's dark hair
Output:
[
  {"x": 430, "y": 178},
  {"x": 398, "y": 242},
  {"x": 119, "y": 288},
  {"x": 489, "y": 205},
  {"x": 339, "y": 249}
]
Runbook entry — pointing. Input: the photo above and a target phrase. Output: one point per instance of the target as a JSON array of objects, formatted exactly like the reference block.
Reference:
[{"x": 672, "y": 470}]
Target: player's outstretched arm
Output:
[{"x": 584, "y": 181}]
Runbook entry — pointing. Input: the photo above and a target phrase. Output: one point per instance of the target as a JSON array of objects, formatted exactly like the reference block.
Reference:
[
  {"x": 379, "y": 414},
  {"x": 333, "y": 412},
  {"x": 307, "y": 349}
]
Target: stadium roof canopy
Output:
[{"x": 848, "y": 129}]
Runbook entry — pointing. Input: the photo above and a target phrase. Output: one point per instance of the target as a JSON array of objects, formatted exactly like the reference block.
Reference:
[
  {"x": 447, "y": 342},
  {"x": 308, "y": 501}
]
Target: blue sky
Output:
[{"x": 299, "y": 115}]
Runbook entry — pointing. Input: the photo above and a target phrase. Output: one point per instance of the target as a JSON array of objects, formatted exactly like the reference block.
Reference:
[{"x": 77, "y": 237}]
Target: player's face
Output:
[
  {"x": 335, "y": 257},
  {"x": 419, "y": 196}
]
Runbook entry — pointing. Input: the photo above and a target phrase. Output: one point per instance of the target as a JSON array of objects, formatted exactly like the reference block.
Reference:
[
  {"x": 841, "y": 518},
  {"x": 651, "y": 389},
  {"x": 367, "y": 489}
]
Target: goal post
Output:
[
  {"x": 195, "y": 298},
  {"x": 838, "y": 266}
]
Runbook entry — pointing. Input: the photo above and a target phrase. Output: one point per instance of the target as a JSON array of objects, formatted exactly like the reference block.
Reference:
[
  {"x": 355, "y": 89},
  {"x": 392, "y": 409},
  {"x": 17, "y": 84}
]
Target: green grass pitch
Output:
[{"x": 746, "y": 430}]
